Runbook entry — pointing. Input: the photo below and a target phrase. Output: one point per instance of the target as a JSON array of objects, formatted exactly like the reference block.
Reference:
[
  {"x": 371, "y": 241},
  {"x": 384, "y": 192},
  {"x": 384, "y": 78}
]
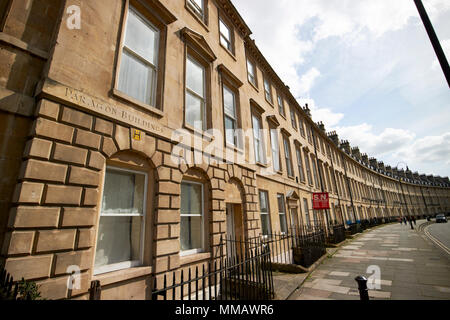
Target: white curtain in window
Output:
[
  {"x": 141, "y": 37},
  {"x": 287, "y": 153},
  {"x": 118, "y": 240},
  {"x": 136, "y": 78},
  {"x": 229, "y": 130},
  {"x": 195, "y": 94},
  {"x": 275, "y": 150},
  {"x": 194, "y": 111},
  {"x": 191, "y": 227},
  {"x": 195, "y": 75},
  {"x": 282, "y": 213},
  {"x": 259, "y": 157},
  {"x": 264, "y": 212},
  {"x": 123, "y": 193},
  {"x": 230, "y": 115}
]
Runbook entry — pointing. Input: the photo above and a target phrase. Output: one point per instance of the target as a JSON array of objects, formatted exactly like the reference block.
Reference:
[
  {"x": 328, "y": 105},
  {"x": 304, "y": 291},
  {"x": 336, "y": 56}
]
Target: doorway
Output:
[
  {"x": 294, "y": 219},
  {"x": 235, "y": 229}
]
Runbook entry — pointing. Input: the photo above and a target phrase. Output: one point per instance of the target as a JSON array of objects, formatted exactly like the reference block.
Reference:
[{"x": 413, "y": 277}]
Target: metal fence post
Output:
[
  {"x": 362, "y": 287},
  {"x": 95, "y": 291}
]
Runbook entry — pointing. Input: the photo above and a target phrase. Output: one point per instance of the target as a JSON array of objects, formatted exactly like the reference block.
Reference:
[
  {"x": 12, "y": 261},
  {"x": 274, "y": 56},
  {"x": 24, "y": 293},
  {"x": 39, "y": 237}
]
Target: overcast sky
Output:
[{"x": 367, "y": 70}]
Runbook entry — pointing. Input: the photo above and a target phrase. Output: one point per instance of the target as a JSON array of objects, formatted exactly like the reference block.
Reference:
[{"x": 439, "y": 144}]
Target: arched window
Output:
[{"x": 124, "y": 224}]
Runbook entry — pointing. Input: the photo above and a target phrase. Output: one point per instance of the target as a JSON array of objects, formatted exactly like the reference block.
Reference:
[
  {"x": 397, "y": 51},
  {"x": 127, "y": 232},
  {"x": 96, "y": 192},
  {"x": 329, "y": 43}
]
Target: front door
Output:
[
  {"x": 235, "y": 229},
  {"x": 294, "y": 219}
]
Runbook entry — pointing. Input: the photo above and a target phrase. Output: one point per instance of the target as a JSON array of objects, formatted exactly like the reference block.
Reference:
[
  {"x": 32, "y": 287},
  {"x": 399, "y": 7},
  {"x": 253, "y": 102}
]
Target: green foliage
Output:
[
  {"x": 28, "y": 291},
  {"x": 23, "y": 290}
]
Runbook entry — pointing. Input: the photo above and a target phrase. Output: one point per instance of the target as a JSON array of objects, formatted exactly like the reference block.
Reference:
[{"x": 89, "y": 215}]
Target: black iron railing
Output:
[
  {"x": 338, "y": 234},
  {"x": 241, "y": 271},
  {"x": 301, "y": 246}
]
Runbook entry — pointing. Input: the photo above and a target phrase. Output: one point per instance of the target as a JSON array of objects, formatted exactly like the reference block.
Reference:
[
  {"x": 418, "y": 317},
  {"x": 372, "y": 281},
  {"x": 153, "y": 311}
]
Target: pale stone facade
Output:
[{"x": 63, "y": 121}]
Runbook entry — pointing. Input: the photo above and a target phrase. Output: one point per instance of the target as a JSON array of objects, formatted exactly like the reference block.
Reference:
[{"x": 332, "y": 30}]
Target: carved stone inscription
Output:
[{"x": 133, "y": 118}]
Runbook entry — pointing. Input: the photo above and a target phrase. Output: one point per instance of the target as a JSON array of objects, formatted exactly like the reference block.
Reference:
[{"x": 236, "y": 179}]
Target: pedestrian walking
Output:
[{"x": 411, "y": 222}]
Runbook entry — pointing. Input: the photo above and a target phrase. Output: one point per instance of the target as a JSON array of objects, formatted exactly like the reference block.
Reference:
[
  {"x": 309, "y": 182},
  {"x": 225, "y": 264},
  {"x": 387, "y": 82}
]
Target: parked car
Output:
[{"x": 441, "y": 218}]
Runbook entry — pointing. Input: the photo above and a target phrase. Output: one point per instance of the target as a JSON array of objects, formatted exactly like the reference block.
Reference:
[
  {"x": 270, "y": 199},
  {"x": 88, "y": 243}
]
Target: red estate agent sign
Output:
[{"x": 321, "y": 201}]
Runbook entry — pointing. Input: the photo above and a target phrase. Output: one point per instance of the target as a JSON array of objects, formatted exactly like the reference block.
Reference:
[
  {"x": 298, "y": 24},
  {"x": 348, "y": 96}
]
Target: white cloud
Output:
[
  {"x": 389, "y": 141},
  {"x": 329, "y": 118},
  {"x": 427, "y": 155},
  {"x": 432, "y": 149},
  {"x": 307, "y": 81},
  {"x": 289, "y": 31},
  {"x": 276, "y": 26}
]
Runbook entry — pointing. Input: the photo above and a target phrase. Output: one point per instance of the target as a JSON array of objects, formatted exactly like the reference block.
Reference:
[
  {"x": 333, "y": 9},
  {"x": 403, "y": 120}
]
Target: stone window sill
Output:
[
  {"x": 253, "y": 85},
  {"x": 122, "y": 275},
  {"x": 203, "y": 133},
  {"x": 235, "y": 148},
  {"x": 146, "y": 107},
  {"x": 193, "y": 258},
  {"x": 262, "y": 165},
  {"x": 229, "y": 52}
]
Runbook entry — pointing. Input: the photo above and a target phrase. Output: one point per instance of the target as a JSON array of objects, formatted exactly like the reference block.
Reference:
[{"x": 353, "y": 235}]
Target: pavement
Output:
[{"x": 405, "y": 262}]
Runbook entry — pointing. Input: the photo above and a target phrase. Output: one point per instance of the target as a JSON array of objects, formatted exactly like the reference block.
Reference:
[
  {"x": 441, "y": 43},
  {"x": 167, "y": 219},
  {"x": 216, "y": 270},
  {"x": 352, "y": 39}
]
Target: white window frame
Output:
[
  {"x": 308, "y": 218},
  {"x": 288, "y": 156},
  {"x": 228, "y": 42},
  {"x": 198, "y": 10},
  {"x": 301, "y": 126},
  {"x": 308, "y": 169},
  {"x": 136, "y": 56},
  {"x": 202, "y": 249},
  {"x": 282, "y": 214},
  {"x": 301, "y": 171},
  {"x": 195, "y": 94},
  {"x": 315, "y": 173},
  {"x": 268, "y": 90},
  {"x": 125, "y": 264},
  {"x": 234, "y": 117},
  {"x": 281, "y": 108},
  {"x": 293, "y": 118},
  {"x": 269, "y": 229},
  {"x": 251, "y": 77},
  {"x": 259, "y": 153},
  {"x": 275, "y": 146}
]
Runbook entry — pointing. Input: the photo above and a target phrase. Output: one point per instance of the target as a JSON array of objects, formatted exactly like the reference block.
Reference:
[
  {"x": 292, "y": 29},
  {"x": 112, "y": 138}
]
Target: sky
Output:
[{"x": 366, "y": 69}]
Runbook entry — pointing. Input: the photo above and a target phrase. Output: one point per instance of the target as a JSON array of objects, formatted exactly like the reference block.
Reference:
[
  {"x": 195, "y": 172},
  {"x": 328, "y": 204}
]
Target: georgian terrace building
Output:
[{"x": 108, "y": 111}]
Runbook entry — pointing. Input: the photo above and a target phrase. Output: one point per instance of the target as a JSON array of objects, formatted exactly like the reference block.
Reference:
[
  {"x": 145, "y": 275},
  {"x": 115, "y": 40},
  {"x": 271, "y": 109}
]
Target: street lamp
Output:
[{"x": 434, "y": 40}]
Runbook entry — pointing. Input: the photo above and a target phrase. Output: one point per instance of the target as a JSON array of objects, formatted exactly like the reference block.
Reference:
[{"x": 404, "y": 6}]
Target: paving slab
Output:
[{"x": 410, "y": 267}]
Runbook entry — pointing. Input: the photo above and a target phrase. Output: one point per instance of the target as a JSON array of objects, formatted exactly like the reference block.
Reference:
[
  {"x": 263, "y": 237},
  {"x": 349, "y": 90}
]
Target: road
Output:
[
  {"x": 441, "y": 233},
  {"x": 409, "y": 265}
]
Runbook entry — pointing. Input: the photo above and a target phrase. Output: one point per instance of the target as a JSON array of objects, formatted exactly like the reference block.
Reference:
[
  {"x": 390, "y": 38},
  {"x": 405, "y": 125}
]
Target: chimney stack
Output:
[
  {"x": 307, "y": 111},
  {"x": 334, "y": 137},
  {"x": 321, "y": 126},
  {"x": 356, "y": 153},
  {"x": 365, "y": 159},
  {"x": 345, "y": 145},
  {"x": 373, "y": 162}
]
